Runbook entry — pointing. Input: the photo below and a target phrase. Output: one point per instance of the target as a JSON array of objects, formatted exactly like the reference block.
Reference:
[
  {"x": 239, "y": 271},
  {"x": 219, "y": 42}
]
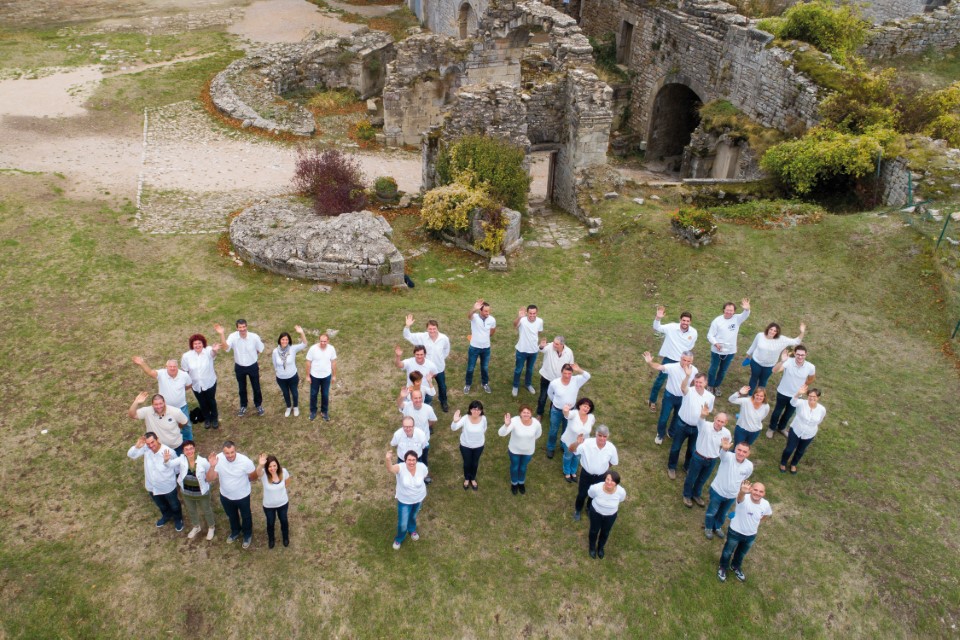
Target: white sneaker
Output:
[
  {"x": 658, "y": 440},
  {"x": 531, "y": 389},
  {"x": 286, "y": 414},
  {"x": 193, "y": 533},
  {"x": 414, "y": 536},
  {"x": 396, "y": 546},
  {"x": 210, "y": 533},
  {"x": 515, "y": 392},
  {"x": 296, "y": 412},
  {"x": 769, "y": 433}
]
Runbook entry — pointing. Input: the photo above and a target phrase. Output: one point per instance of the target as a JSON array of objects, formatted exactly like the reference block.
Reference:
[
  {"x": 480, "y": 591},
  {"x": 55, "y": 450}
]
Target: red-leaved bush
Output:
[{"x": 333, "y": 180}]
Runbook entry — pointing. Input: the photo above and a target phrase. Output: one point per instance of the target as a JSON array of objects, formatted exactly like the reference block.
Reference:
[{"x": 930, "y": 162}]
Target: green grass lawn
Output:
[{"x": 863, "y": 542}]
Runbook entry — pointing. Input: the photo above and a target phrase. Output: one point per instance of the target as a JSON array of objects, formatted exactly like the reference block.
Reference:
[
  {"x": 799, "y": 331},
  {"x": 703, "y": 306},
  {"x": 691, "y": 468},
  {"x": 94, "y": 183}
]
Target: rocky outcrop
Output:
[{"x": 287, "y": 237}]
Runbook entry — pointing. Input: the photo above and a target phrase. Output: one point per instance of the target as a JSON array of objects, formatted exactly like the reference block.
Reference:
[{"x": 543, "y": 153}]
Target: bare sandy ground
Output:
[{"x": 286, "y": 21}]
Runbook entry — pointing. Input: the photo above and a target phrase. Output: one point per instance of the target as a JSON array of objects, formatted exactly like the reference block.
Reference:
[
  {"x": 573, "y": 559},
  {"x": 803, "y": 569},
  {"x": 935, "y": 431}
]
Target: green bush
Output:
[
  {"x": 838, "y": 31},
  {"x": 867, "y": 101},
  {"x": 762, "y": 214},
  {"x": 721, "y": 117},
  {"x": 448, "y": 208},
  {"x": 495, "y": 164},
  {"x": 700, "y": 221}
]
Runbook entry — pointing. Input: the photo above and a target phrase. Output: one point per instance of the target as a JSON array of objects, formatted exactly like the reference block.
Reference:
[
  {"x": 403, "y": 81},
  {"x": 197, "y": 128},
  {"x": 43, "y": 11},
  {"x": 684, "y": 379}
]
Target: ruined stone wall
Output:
[
  {"x": 545, "y": 103},
  {"x": 882, "y": 10},
  {"x": 444, "y": 17},
  {"x": 938, "y": 30},
  {"x": 895, "y": 182}
]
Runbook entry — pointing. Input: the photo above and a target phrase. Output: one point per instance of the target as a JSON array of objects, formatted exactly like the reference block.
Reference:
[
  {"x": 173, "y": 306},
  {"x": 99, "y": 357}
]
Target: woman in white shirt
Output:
[
  {"x": 198, "y": 362},
  {"x": 192, "y": 478},
  {"x": 804, "y": 427},
  {"x": 765, "y": 352},
  {"x": 411, "y": 491},
  {"x": 285, "y": 364},
  {"x": 753, "y": 409},
  {"x": 605, "y": 499},
  {"x": 275, "y": 480},
  {"x": 578, "y": 422},
  {"x": 523, "y": 431},
  {"x": 472, "y": 439}
]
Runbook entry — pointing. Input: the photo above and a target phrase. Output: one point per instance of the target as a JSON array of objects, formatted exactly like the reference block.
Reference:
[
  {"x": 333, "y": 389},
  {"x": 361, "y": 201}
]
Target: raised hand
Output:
[
  {"x": 543, "y": 342},
  {"x": 478, "y": 304},
  {"x": 141, "y": 441},
  {"x": 213, "y": 460},
  {"x": 566, "y": 408},
  {"x": 456, "y": 415},
  {"x": 506, "y": 419},
  {"x": 648, "y": 357},
  {"x": 263, "y": 459},
  {"x": 389, "y": 456},
  {"x": 218, "y": 327},
  {"x": 166, "y": 455},
  {"x": 398, "y": 351},
  {"x": 576, "y": 367},
  {"x": 298, "y": 329},
  {"x": 784, "y": 356},
  {"x": 404, "y": 392},
  {"x": 744, "y": 390},
  {"x": 579, "y": 439},
  {"x": 143, "y": 395},
  {"x": 522, "y": 312},
  {"x": 138, "y": 360},
  {"x": 803, "y": 328},
  {"x": 408, "y": 322},
  {"x": 704, "y": 411},
  {"x": 745, "y": 486},
  {"x": 745, "y": 303},
  {"x": 725, "y": 444},
  {"x": 661, "y": 311},
  {"x": 687, "y": 367},
  {"x": 803, "y": 390}
]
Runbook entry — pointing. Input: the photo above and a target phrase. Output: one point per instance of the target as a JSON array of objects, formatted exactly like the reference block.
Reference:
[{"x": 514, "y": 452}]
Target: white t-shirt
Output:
[
  {"x": 321, "y": 360},
  {"x": 523, "y": 438},
  {"x": 747, "y": 517},
  {"x": 766, "y": 352},
  {"x": 411, "y": 489},
  {"x": 437, "y": 350},
  {"x": 274, "y": 495},
  {"x": 806, "y": 421},
  {"x": 405, "y": 443},
  {"x": 472, "y": 436},
  {"x": 576, "y": 428},
  {"x": 480, "y": 330},
  {"x": 725, "y": 332},
  {"x": 422, "y": 417},
  {"x": 675, "y": 341},
  {"x": 606, "y": 504},
  {"x": 693, "y": 403},
  {"x": 286, "y": 368},
  {"x": 245, "y": 350},
  {"x": 410, "y": 365},
  {"x": 595, "y": 460},
  {"x": 675, "y": 376},
  {"x": 158, "y": 477},
  {"x": 751, "y": 419},
  {"x": 563, "y": 394},
  {"x": 200, "y": 367},
  {"x": 553, "y": 361},
  {"x": 528, "y": 339},
  {"x": 167, "y": 427},
  {"x": 794, "y": 377},
  {"x": 731, "y": 475},
  {"x": 708, "y": 439},
  {"x": 234, "y": 476},
  {"x": 173, "y": 390}
]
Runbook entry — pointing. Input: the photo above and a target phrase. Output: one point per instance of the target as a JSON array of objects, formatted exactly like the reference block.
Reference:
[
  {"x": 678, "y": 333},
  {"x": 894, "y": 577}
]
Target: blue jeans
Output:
[
  {"x": 472, "y": 354},
  {"x": 518, "y": 467},
  {"x": 406, "y": 519},
  {"x": 558, "y": 424},
  {"x": 169, "y": 506},
  {"x": 782, "y": 412},
  {"x": 238, "y": 512},
  {"x": 758, "y": 376},
  {"x": 670, "y": 403},
  {"x": 571, "y": 461},
  {"x": 719, "y": 362},
  {"x": 321, "y": 385},
  {"x": 795, "y": 446},
  {"x": 717, "y": 511},
  {"x": 742, "y": 435},
  {"x": 660, "y": 380},
  {"x": 697, "y": 475},
  {"x": 528, "y": 359},
  {"x": 187, "y": 431},
  {"x": 737, "y": 546},
  {"x": 684, "y": 433},
  {"x": 290, "y": 388},
  {"x": 441, "y": 380}
]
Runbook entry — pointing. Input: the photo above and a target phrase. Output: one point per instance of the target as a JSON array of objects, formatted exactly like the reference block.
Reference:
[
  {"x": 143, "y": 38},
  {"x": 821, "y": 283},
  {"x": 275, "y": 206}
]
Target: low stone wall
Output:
[
  {"x": 287, "y": 237},
  {"x": 895, "y": 182},
  {"x": 250, "y": 89},
  {"x": 938, "y": 30}
]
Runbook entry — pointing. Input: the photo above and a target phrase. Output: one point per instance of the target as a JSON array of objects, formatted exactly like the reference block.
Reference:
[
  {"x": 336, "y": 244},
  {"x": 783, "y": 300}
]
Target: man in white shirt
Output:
[
  {"x": 172, "y": 383},
  {"x": 438, "y": 348},
  {"x": 597, "y": 455},
  {"x": 160, "y": 419},
  {"x": 555, "y": 355},
  {"x": 677, "y": 338},
  {"x": 711, "y": 438},
  {"x": 322, "y": 368},
  {"x": 160, "y": 480},
  {"x": 743, "y": 529},
  {"x": 482, "y": 327},
  {"x": 672, "y": 397},
  {"x": 235, "y": 472},
  {"x": 528, "y": 327},
  {"x": 419, "y": 362},
  {"x": 408, "y": 438},
  {"x": 722, "y": 337},
  {"x": 411, "y": 404},
  {"x": 695, "y": 398},
  {"x": 561, "y": 392},
  {"x": 734, "y": 469},
  {"x": 796, "y": 373},
  {"x": 246, "y": 347}
]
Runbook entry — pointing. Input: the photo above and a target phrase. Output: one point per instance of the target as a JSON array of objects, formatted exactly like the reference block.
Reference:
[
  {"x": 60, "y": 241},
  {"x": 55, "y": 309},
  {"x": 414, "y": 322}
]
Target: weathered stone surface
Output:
[
  {"x": 288, "y": 238},
  {"x": 912, "y": 35}
]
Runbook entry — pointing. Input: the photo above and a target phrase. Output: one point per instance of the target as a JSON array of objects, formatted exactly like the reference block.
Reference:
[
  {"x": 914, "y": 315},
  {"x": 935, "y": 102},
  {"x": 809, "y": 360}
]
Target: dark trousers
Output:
[
  {"x": 169, "y": 506},
  {"x": 207, "y": 399},
  {"x": 600, "y": 527},
  {"x": 321, "y": 385},
  {"x": 684, "y": 433},
  {"x": 238, "y": 512},
  {"x": 697, "y": 475},
  {"x": 273, "y": 514},
  {"x": 587, "y": 480},
  {"x": 471, "y": 461},
  {"x": 782, "y": 412},
  {"x": 290, "y": 388},
  {"x": 795, "y": 447},
  {"x": 660, "y": 380},
  {"x": 252, "y": 372},
  {"x": 736, "y": 546},
  {"x": 542, "y": 400},
  {"x": 441, "y": 380}
]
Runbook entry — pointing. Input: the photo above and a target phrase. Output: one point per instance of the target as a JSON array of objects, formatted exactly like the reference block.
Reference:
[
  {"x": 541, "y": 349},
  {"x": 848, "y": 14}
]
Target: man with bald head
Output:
[
  {"x": 172, "y": 383},
  {"x": 711, "y": 438},
  {"x": 743, "y": 529}
]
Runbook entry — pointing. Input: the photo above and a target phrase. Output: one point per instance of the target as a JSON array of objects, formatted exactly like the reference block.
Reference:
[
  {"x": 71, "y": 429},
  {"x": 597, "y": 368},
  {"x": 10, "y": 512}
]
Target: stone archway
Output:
[
  {"x": 674, "y": 116},
  {"x": 466, "y": 21}
]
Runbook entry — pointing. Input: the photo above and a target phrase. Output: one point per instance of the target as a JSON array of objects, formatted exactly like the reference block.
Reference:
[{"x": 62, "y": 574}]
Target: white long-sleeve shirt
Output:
[
  {"x": 766, "y": 352},
  {"x": 159, "y": 479},
  {"x": 724, "y": 332},
  {"x": 806, "y": 421},
  {"x": 472, "y": 436},
  {"x": 562, "y": 394},
  {"x": 751, "y": 418},
  {"x": 675, "y": 341},
  {"x": 437, "y": 350},
  {"x": 523, "y": 438}
]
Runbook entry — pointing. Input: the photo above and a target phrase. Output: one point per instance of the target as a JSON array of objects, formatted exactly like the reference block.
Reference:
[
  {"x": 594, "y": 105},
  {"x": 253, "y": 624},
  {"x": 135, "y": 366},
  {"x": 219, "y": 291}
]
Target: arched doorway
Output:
[
  {"x": 674, "y": 116},
  {"x": 467, "y": 21}
]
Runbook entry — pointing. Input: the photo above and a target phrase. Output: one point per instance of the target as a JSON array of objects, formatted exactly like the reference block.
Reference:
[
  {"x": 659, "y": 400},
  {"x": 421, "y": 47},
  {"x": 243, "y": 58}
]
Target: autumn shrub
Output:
[
  {"x": 449, "y": 208},
  {"x": 838, "y": 31},
  {"x": 495, "y": 164},
  {"x": 334, "y": 181}
]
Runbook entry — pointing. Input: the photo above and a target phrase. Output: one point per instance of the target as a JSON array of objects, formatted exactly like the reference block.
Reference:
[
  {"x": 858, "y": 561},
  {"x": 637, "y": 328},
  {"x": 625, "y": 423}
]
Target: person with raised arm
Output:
[
  {"x": 677, "y": 338},
  {"x": 742, "y": 532},
  {"x": 172, "y": 383},
  {"x": 159, "y": 479},
  {"x": 722, "y": 336},
  {"x": 523, "y": 430},
  {"x": 198, "y": 363},
  {"x": 561, "y": 392},
  {"x": 246, "y": 347},
  {"x": 410, "y": 494},
  {"x": 275, "y": 480},
  {"x": 167, "y": 422},
  {"x": 419, "y": 362},
  {"x": 672, "y": 395},
  {"x": 482, "y": 327},
  {"x": 235, "y": 471},
  {"x": 734, "y": 469},
  {"x": 797, "y": 371},
  {"x": 473, "y": 429},
  {"x": 695, "y": 398},
  {"x": 579, "y": 423},
  {"x": 804, "y": 428},
  {"x": 528, "y": 327},
  {"x": 191, "y": 471},
  {"x": 555, "y": 355},
  {"x": 284, "y": 358},
  {"x": 765, "y": 350},
  {"x": 711, "y": 439},
  {"x": 753, "y": 409},
  {"x": 438, "y": 348},
  {"x": 605, "y": 498}
]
